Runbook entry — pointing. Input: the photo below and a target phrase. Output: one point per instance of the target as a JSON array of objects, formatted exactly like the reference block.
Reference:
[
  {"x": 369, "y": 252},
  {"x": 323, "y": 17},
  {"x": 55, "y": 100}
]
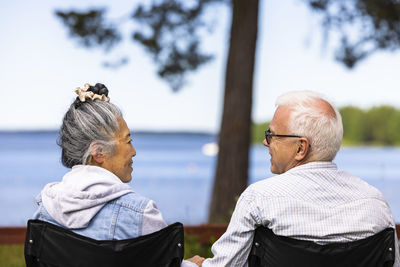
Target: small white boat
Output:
[{"x": 210, "y": 149}]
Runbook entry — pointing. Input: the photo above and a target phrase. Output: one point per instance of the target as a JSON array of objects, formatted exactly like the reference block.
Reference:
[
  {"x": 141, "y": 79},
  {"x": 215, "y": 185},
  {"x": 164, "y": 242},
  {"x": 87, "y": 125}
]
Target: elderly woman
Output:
[{"x": 93, "y": 198}]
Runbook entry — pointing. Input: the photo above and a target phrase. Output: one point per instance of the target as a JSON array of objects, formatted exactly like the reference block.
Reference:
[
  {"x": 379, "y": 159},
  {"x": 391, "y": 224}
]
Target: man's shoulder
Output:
[
  {"x": 278, "y": 179},
  {"x": 366, "y": 188},
  {"x": 271, "y": 185},
  {"x": 316, "y": 176}
]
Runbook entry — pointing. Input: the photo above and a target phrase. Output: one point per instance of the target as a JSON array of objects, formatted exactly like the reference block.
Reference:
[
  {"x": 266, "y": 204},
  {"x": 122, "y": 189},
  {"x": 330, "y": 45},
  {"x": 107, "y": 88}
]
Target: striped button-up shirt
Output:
[{"x": 314, "y": 201}]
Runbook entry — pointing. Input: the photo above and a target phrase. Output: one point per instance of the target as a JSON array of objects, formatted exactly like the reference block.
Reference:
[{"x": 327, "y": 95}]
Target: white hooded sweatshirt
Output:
[{"x": 83, "y": 191}]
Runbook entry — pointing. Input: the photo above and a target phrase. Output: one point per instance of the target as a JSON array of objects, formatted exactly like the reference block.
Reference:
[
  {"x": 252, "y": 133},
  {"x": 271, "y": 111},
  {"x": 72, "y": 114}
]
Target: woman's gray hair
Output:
[
  {"x": 322, "y": 128},
  {"x": 87, "y": 127}
]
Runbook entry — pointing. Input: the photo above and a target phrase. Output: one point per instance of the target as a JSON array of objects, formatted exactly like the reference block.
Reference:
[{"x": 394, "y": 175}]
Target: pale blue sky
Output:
[{"x": 40, "y": 68}]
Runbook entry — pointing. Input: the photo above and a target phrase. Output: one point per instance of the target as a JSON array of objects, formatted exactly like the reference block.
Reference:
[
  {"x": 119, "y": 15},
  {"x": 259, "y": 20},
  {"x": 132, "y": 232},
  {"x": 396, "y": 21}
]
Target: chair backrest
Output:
[
  {"x": 48, "y": 245},
  {"x": 269, "y": 249}
]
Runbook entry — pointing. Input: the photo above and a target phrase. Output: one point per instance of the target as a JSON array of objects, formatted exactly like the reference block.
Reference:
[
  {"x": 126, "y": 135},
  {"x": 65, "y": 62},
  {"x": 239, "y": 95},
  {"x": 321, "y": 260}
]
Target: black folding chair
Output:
[
  {"x": 48, "y": 245},
  {"x": 269, "y": 249}
]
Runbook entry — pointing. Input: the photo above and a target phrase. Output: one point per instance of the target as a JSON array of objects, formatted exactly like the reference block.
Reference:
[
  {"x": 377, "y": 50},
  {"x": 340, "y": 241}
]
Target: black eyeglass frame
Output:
[{"x": 268, "y": 136}]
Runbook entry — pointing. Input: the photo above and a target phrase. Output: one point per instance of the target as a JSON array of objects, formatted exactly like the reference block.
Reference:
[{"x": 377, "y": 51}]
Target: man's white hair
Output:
[{"x": 308, "y": 118}]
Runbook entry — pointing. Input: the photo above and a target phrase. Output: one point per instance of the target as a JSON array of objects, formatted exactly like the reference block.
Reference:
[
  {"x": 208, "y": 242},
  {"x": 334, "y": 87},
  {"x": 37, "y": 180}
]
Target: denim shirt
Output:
[{"x": 120, "y": 218}]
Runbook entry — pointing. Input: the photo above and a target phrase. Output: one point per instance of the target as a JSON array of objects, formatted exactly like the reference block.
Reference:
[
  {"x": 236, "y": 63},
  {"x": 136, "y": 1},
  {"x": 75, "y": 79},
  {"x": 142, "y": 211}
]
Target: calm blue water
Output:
[{"x": 170, "y": 169}]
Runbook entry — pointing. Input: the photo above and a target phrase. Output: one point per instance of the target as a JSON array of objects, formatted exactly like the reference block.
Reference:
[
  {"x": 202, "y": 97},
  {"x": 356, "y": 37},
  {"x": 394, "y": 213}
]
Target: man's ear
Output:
[
  {"x": 96, "y": 153},
  {"x": 303, "y": 148}
]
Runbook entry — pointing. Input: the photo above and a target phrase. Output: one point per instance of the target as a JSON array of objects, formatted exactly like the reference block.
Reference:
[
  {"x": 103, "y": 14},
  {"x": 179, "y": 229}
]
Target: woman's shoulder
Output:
[{"x": 133, "y": 200}]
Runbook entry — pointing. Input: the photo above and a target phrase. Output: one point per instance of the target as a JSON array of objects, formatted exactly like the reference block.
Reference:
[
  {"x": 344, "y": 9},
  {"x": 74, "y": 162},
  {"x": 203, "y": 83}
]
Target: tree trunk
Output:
[{"x": 234, "y": 138}]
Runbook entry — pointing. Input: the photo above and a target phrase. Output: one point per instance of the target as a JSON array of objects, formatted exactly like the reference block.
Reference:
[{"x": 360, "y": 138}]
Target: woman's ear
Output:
[
  {"x": 96, "y": 153},
  {"x": 302, "y": 149}
]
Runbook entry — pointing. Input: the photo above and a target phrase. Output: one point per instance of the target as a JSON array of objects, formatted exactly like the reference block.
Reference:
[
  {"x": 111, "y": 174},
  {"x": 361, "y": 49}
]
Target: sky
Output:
[{"x": 40, "y": 66}]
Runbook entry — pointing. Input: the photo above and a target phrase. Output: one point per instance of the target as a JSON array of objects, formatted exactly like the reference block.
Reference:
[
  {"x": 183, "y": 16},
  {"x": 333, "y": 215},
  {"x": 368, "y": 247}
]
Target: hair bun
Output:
[
  {"x": 99, "y": 89},
  {"x": 103, "y": 91}
]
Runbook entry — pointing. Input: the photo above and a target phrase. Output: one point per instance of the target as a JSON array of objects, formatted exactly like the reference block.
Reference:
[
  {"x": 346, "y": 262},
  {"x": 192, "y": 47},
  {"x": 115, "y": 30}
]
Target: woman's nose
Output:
[
  {"x": 265, "y": 143},
  {"x": 133, "y": 153}
]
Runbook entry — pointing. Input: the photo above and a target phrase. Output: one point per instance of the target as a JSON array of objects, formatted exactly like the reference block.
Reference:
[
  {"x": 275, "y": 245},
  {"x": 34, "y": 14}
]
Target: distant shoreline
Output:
[{"x": 345, "y": 143}]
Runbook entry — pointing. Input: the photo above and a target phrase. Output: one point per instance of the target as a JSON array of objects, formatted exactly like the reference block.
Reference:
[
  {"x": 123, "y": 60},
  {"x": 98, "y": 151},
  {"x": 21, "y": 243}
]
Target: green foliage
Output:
[
  {"x": 257, "y": 132},
  {"x": 170, "y": 31},
  {"x": 12, "y": 256},
  {"x": 384, "y": 125},
  {"x": 362, "y": 26},
  {"x": 90, "y": 29},
  {"x": 375, "y": 126},
  {"x": 354, "y": 125},
  {"x": 193, "y": 247}
]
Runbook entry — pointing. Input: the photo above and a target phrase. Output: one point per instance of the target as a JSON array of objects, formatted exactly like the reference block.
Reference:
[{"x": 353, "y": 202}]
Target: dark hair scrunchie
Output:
[{"x": 97, "y": 89}]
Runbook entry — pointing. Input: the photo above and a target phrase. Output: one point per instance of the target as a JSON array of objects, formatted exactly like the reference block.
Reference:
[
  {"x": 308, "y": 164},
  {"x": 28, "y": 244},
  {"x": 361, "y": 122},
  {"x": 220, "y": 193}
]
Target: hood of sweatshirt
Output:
[{"x": 83, "y": 191}]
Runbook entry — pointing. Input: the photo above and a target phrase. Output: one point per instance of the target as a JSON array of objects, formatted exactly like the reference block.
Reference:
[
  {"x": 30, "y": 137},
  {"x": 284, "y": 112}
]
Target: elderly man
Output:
[{"x": 309, "y": 198}]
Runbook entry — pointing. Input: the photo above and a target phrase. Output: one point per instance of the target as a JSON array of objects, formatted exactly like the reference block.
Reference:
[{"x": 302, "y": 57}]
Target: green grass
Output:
[
  {"x": 12, "y": 256},
  {"x": 192, "y": 247}
]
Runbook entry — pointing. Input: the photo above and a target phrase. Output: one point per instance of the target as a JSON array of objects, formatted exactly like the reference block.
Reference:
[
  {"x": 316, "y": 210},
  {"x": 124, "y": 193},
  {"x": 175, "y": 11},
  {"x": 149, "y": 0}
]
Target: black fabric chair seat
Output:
[
  {"x": 48, "y": 245},
  {"x": 269, "y": 249}
]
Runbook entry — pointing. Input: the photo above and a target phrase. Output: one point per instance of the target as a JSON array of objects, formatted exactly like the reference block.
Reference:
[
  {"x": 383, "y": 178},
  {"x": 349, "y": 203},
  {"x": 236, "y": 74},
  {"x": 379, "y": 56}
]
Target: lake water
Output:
[{"x": 169, "y": 168}]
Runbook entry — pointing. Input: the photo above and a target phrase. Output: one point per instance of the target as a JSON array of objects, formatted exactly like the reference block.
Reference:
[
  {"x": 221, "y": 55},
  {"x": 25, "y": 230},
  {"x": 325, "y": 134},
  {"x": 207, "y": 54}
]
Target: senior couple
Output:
[{"x": 308, "y": 199}]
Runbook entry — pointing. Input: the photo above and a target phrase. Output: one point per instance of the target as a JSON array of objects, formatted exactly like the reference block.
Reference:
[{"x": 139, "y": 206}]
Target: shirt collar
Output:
[{"x": 314, "y": 165}]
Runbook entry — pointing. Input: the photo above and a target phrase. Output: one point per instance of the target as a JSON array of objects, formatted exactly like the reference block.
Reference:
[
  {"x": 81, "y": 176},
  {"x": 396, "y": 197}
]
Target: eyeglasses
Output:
[{"x": 268, "y": 136}]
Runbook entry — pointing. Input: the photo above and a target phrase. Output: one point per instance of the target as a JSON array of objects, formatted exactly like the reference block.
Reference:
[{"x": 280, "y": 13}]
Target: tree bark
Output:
[{"x": 231, "y": 175}]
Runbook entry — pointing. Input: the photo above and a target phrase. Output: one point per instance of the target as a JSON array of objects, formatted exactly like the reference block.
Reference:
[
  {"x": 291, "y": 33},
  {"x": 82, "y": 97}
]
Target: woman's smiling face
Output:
[{"x": 120, "y": 162}]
